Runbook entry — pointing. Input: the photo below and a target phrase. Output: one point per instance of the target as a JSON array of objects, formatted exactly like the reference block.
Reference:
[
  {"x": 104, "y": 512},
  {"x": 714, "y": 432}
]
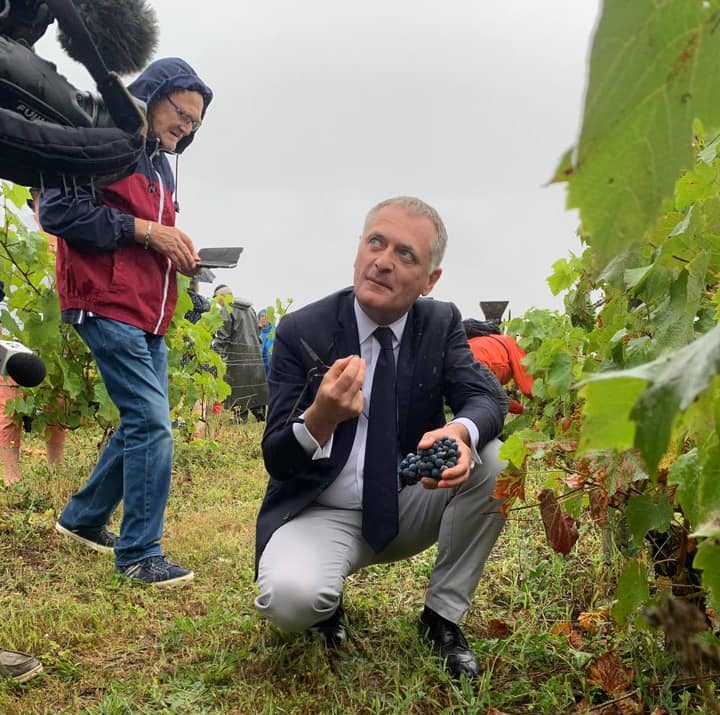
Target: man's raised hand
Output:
[{"x": 339, "y": 398}]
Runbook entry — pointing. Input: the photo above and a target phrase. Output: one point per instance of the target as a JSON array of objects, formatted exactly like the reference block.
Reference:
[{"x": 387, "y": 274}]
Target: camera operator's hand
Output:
[{"x": 171, "y": 242}]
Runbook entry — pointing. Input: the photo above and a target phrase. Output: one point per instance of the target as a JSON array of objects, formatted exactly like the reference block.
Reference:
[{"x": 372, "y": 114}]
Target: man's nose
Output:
[{"x": 383, "y": 262}]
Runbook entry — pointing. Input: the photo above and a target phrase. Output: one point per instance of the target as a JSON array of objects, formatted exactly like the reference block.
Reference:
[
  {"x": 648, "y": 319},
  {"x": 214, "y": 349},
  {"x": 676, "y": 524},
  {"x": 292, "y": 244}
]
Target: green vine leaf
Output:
[
  {"x": 686, "y": 474},
  {"x": 652, "y": 71},
  {"x": 632, "y": 591},
  {"x": 674, "y": 382},
  {"x": 707, "y": 559},
  {"x": 607, "y": 413},
  {"x": 643, "y": 514}
]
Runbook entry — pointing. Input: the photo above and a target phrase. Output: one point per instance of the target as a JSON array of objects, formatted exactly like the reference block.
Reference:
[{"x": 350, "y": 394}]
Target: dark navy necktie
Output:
[{"x": 380, "y": 498}]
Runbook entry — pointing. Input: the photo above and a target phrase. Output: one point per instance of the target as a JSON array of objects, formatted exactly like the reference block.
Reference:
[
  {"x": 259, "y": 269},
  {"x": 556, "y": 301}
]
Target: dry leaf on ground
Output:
[
  {"x": 608, "y": 672},
  {"x": 592, "y": 621},
  {"x": 497, "y": 628}
]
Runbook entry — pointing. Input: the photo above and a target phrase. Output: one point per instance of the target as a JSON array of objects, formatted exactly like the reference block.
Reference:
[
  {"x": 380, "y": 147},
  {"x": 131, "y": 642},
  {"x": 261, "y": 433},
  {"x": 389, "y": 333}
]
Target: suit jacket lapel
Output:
[
  {"x": 345, "y": 342},
  {"x": 345, "y": 338}
]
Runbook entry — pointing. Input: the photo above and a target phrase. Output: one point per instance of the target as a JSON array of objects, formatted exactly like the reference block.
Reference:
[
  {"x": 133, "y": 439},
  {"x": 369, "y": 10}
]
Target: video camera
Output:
[{"x": 51, "y": 133}]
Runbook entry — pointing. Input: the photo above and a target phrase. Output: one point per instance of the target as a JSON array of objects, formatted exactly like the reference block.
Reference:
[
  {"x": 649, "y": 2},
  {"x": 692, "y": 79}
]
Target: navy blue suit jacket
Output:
[{"x": 435, "y": 366}]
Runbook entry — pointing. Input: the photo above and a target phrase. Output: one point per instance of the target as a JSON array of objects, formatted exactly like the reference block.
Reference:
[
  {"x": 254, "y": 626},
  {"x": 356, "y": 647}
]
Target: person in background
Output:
[
  {"x": 502, "y": 355},
  {"x": 118, "y": 256},
  {"x": 11, "y": 437},
  {"x": 11, "y": 429},
  {"x": 358, "y": 379},
  {"x": 238, "y": 344},
  {"x": 267, "y": 335}
]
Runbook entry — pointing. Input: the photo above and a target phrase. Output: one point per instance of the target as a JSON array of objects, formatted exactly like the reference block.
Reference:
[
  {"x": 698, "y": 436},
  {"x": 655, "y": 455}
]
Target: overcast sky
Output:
[{"x": 324, "y": 108}]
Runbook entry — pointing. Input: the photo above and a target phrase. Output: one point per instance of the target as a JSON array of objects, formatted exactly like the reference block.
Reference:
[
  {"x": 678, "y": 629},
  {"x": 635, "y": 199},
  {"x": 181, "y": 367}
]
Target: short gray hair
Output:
[{"x": 418, "y": 207}]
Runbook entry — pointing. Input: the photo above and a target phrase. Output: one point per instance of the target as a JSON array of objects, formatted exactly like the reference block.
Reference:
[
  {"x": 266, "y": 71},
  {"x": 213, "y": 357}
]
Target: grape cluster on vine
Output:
[{"x": 431, "y": 462}]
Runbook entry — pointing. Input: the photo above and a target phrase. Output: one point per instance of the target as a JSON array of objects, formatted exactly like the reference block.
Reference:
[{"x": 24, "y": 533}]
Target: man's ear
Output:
[{"x": 432, "y": 280}]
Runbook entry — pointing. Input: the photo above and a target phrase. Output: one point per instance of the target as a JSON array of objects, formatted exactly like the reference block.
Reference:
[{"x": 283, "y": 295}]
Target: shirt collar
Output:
[{"x": 366, "y": 327}]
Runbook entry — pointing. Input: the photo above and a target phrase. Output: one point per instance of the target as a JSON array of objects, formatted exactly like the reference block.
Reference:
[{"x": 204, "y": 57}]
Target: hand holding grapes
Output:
[{"x": 452, "y": 476}]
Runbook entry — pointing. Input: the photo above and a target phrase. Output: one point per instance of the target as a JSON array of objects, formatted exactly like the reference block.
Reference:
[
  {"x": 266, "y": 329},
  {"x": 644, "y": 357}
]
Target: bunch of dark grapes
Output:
[{"x": 430, "y": 462}]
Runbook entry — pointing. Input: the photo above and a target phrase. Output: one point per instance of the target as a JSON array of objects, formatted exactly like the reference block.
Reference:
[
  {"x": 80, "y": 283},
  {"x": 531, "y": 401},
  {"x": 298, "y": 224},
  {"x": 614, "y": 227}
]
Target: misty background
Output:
[{"x": 323, "y": 108}]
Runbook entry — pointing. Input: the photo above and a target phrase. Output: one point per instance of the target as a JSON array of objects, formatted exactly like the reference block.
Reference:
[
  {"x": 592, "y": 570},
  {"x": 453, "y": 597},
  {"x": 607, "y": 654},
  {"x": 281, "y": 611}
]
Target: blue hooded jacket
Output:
[{"x": 100, "y": 267}]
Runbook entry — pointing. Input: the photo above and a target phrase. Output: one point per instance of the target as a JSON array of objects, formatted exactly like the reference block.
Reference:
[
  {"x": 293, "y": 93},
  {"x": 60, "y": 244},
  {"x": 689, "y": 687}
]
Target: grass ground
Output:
[{"x": 112, "y": 648}]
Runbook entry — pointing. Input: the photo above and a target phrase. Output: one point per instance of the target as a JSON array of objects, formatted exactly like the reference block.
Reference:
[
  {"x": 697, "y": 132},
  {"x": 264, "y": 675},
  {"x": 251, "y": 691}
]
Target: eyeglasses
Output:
[{"x": 183, "y": 116}]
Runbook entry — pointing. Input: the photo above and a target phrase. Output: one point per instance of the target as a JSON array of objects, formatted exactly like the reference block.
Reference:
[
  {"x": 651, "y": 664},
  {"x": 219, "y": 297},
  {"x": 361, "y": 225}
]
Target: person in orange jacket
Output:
[{"x": 501, "y": 354}]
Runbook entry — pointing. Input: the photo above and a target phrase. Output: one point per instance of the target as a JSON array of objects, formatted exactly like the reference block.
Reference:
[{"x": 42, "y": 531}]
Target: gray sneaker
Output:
[
  {"x": 157, "y": 571},
  {"x": 18, "y": 666}
]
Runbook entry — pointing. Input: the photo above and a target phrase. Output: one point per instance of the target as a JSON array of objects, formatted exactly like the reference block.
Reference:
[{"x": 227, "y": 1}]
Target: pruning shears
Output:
[{"x": 318, "y": 369}]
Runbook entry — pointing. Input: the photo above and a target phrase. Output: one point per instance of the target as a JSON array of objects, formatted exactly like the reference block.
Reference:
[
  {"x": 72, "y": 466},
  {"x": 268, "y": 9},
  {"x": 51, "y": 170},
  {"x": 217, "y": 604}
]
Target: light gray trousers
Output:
[{"x": 303, "y": 568}]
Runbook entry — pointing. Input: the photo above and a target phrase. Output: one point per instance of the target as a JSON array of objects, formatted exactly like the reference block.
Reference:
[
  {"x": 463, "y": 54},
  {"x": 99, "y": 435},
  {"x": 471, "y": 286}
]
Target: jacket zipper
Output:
[{"x": 169, "y": 262}]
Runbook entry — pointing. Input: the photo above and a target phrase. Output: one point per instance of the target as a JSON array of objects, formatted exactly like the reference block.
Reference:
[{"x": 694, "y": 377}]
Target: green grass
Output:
[{"x": 113, "y": 648}]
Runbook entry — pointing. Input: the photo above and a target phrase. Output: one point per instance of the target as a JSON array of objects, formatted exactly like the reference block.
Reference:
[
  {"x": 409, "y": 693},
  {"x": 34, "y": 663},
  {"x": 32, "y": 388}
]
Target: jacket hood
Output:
[{"x": 165, "y": 76}]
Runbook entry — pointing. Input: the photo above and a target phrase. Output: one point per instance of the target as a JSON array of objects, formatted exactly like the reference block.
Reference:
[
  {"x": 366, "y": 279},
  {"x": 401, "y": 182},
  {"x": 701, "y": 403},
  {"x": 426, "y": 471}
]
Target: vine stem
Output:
[
  {"x": 10, "y": 255},
  {"x": 602, "y": 706}
]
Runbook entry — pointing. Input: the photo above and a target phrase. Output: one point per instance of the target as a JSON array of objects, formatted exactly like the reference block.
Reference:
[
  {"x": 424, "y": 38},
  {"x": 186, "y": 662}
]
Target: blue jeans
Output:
[{"x": 136, "y": 465}]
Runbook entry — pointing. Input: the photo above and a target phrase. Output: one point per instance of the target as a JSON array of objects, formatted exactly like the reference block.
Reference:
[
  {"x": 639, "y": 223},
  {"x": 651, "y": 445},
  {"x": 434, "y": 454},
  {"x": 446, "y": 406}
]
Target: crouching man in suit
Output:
[{"x": 358, "y": 379}]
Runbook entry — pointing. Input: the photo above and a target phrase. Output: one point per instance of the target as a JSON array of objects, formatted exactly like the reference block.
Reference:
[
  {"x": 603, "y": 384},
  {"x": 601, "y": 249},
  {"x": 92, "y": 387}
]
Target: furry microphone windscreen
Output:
[
  {"x": 125, "y": 33},
  {"x": 27, "y": 369}
]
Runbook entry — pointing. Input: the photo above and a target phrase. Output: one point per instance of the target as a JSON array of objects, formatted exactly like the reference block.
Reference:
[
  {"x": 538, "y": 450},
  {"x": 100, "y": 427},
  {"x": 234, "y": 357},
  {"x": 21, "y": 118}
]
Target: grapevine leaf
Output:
[
  {"x": 673, "y": 327},
  {"x": 560, "y": 527},
  {"x": 701, "y": 183},
  {"x": 707, "y": 559},
  {"x": 607, "y": 410},
  {"x": 17, "y": 194},
  {"x": 652, "y": 70},
  {"x": 560, "y": 375},
  {"x": 634, "y": 276},
  {"x": 654, "y": 414},
  {"x": 675, "y": 381},
  {"x": 106, "y": 410},
  {"x": 644, "y": 515},
  {"x": 564, "y": 168},
  {"x": 514, "y": 450},
  {"x": 510, "y": 486},
  {"x": 709, "y": 491},
  {"x": 685, "y": 473},
  {"x": 72, "y": 379},
  {"x": 710, "y": 152},
  {"x": 565, "y": 273},
  {"x": 632, "y": 591}
]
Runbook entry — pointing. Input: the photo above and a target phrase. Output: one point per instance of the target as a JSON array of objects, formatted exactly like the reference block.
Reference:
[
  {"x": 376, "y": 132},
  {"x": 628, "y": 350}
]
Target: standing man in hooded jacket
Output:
[{"x": 118, "y": 254}]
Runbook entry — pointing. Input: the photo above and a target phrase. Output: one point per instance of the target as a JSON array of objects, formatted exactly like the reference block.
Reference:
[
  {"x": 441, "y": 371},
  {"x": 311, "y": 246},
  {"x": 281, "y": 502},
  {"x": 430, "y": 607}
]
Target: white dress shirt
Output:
[{"x": 346, "y": 490}]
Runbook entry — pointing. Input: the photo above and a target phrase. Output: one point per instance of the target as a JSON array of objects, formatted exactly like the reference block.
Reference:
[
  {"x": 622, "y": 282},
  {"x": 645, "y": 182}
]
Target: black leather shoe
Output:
[
  {"x": 332, "y": 631},
  {"x": 449, "y": 643}
]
